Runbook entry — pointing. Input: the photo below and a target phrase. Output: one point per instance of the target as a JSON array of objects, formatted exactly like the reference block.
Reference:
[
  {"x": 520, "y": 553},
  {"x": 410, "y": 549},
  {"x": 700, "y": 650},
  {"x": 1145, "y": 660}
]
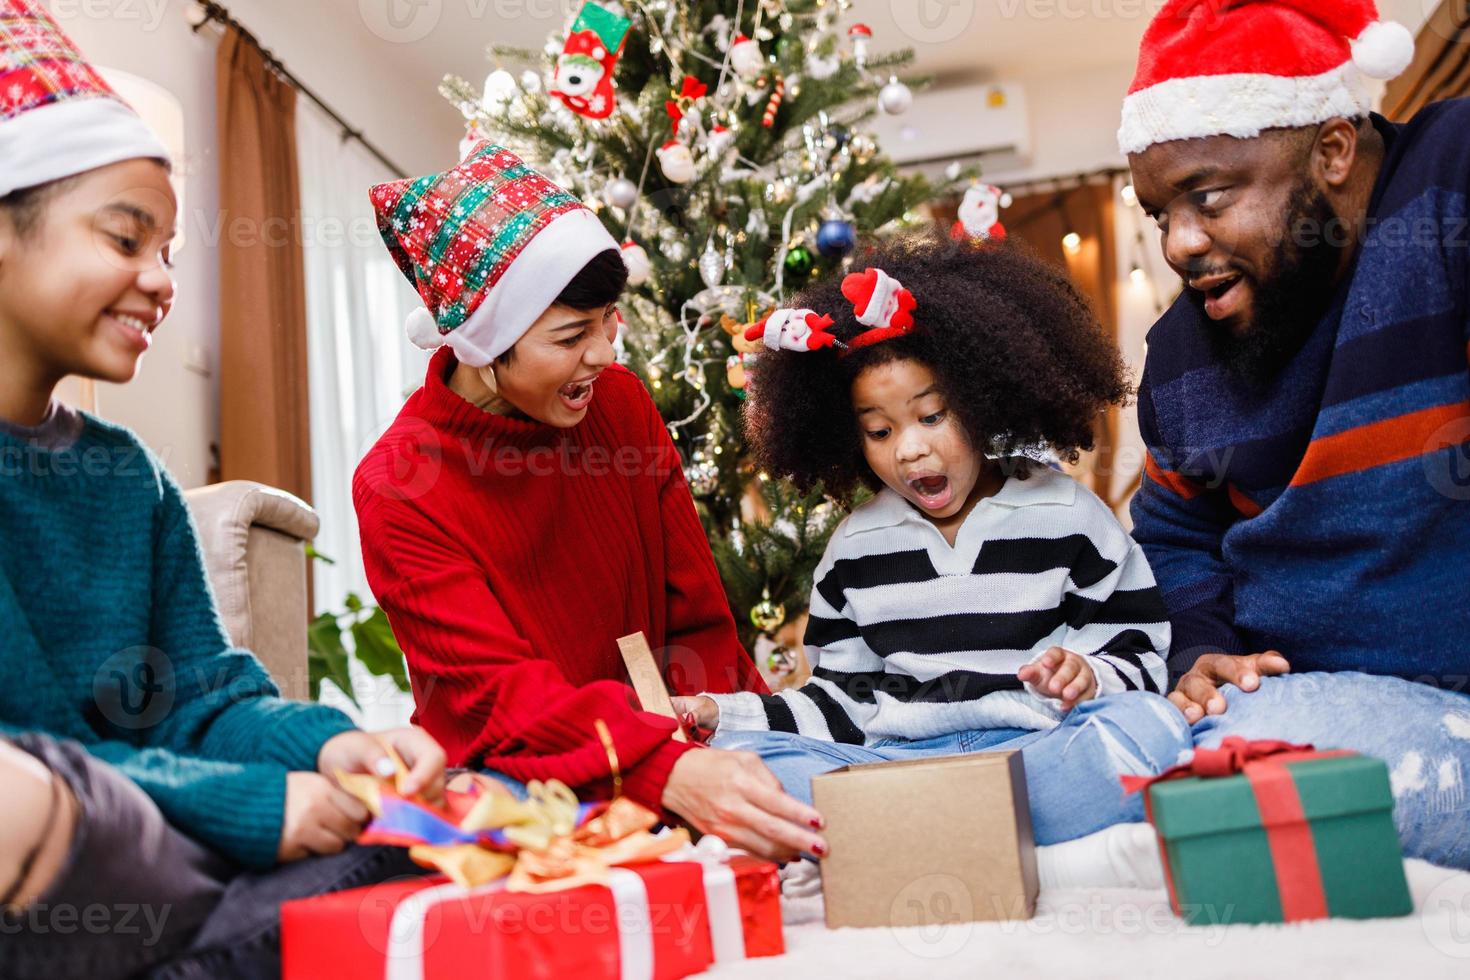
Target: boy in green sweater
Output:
[{"x": 160, "y": 800}]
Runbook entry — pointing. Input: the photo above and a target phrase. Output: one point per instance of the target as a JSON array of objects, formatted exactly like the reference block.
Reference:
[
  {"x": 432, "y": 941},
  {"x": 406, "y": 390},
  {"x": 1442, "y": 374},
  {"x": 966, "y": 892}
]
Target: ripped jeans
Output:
[
  {"x": 1071, "y": 771},
  {"x": 1422, "y": 733}
]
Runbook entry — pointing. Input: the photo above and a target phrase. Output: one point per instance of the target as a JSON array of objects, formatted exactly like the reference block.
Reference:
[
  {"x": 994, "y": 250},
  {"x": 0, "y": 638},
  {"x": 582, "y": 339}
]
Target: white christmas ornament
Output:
[
  {"x": 720, "y": 140},
  {"x": 500, "y": 88},
  {"x": 822, "y": 68},
  {"x": 639, "y": 268},
  {"x": 620, "y": 192},
  {"x": 712, "y": 266},
  {"x": 677, "y": 163},
  {"x": 530, "y": 81},
  {"x": 746, "y": 58},
  {"x": 895, "y": 98}
]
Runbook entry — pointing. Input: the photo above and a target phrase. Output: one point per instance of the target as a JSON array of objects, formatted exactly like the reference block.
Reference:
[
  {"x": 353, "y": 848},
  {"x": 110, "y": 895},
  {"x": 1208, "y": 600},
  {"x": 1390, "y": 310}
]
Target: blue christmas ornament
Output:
[{"x": 836, "y": 237}]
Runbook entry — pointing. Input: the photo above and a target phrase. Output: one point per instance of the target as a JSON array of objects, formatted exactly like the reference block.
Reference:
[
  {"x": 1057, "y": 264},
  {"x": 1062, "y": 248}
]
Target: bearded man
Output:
[{"x": 1306, "y": 400}]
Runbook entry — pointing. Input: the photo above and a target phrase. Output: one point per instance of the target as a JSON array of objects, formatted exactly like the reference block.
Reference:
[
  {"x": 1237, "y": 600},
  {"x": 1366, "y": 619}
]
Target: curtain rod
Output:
[{"x": 214, "y": 12}]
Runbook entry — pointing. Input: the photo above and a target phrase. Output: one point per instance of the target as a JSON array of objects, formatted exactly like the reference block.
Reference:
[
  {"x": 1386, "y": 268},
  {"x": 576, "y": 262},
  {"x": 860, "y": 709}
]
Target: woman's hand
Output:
[
  {"x": 1061, "y": 674},
  {"x": 697, "y": 710},
  {"x": 320, "y": 818},
  {"x": 356, "y": 751},
  {"x": 735, "y": 797}
]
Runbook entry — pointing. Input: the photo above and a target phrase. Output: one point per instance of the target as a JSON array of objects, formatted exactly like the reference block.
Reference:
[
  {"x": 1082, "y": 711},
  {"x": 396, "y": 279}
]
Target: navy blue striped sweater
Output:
[{"x": 1328, "y": 515}]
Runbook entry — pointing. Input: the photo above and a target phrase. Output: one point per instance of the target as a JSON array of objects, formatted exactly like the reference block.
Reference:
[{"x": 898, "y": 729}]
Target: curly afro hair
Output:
[{"x": 1018, "y": 353}]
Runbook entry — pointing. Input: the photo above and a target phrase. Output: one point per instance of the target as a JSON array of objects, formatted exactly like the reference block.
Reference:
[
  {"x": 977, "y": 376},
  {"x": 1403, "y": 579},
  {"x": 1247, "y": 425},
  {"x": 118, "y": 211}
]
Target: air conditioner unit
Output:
[{"x": 959, "y": 123}]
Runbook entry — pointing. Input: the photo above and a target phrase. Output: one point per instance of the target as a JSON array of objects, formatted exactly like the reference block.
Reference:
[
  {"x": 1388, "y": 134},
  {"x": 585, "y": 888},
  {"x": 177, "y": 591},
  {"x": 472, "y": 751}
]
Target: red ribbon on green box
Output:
[{"x": 1289, "y": 835}]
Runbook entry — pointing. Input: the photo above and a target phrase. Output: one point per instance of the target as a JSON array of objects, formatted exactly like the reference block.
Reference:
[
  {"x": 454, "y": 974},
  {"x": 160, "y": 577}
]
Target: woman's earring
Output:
[{"x": 487, "y": 376}]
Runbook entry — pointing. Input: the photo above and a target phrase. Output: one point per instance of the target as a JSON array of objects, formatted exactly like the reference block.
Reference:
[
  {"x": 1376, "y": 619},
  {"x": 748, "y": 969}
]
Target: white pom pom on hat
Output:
[
  {"x": 423, "y": 329},
  {"x": 1384, "y": 50}
]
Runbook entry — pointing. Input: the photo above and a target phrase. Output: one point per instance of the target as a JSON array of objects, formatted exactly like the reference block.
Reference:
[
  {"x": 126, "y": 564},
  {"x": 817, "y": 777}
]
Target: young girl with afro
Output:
[{"x": 981, "y": 599}]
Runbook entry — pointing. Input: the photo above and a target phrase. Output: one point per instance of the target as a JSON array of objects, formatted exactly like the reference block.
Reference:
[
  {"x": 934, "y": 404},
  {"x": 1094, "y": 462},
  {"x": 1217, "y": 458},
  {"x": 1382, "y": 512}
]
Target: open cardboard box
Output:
[{"x": 928, "y": 841}]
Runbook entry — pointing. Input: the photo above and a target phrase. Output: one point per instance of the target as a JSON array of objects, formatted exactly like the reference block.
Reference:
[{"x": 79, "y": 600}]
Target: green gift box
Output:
[{"x": 1271, "y": 832}]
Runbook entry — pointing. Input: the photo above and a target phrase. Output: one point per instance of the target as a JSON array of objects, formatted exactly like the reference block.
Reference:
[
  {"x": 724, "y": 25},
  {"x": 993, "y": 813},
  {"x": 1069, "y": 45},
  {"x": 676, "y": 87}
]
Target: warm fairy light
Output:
[
  {"x": 1138, "y": 276},
  {"x": 1072, "y": 243},
  {"x": 1130, "y": 196}
]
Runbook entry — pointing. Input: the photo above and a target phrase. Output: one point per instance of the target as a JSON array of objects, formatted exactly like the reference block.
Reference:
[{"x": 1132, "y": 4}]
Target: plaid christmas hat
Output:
[
  {"x": 489, "y": 245},
  {"x": 1240, "y": 67},
  {"x": 58, "y": 118}
]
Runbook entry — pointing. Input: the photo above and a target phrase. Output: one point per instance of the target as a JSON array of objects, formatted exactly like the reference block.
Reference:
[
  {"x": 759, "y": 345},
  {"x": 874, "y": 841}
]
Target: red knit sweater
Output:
[{"x": 511, "y": 555}]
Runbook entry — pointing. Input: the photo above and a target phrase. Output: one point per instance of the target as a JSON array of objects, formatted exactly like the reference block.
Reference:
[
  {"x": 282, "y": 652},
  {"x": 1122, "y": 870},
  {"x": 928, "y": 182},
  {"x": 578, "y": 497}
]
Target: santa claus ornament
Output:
[
  {"x": 746, "y": 58},
  {"x": 584, "y": 72},
  {"x": 676, "y": 162},
  {"x": 979, "y": 214},
  {"x": 636, "y": 259},
  {"x": 1239, "y": 69}
]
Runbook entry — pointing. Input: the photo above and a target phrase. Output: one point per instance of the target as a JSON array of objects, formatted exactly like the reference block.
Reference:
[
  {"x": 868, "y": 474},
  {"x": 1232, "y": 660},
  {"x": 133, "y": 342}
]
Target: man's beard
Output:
[{"x": 1288, "y": 303}]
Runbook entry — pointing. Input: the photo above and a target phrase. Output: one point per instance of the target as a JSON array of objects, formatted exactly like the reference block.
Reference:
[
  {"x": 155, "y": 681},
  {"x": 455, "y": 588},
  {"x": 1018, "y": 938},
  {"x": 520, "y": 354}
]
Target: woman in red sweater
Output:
[{"x": 528, "y": 507}]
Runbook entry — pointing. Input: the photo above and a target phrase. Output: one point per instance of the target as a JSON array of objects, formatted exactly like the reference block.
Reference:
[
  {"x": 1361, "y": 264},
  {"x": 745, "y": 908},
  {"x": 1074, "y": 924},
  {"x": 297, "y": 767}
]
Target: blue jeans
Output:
[
  {"x": 1421, "y": 733},
  {"x": 1072, "y": 771}
]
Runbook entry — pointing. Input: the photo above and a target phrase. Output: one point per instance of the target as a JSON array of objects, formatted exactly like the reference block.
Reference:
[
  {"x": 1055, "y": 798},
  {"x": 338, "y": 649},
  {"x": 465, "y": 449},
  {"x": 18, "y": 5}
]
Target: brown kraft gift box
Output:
[{"x": 927, "y": 841}]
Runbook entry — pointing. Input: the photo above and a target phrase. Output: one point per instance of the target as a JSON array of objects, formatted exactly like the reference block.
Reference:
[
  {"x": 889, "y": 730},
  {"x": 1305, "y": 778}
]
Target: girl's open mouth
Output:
[
  {"x": 933, "y": 491},
  {"x": 577, "y": 395}
]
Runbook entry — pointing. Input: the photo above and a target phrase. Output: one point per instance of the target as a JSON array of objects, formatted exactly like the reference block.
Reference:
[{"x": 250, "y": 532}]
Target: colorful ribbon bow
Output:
[
  {"x": 546, "y": 842},
  {"x": 690, "y": 92}
]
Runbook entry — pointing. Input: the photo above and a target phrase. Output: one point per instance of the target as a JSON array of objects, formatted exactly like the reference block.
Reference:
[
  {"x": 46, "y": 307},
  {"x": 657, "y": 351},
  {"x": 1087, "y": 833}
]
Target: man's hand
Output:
[
  {"x": 1198, "y": 693},
  {"x": 1061, "y": 674},
  {"x": 356, "y": 751}
]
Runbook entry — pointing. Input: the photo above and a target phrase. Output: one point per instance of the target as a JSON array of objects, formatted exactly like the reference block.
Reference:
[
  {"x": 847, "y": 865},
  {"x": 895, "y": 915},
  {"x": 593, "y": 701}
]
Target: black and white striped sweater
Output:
[{"x": 910, "y": 638}]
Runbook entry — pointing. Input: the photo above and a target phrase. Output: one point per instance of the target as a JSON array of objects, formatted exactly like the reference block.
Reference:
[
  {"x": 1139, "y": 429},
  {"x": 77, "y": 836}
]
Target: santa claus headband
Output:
[{"x": 879, "y": 303}]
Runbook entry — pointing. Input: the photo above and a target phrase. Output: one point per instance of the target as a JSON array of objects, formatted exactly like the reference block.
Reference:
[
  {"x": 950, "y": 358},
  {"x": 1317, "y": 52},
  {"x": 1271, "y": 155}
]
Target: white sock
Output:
[
  {"x": 1125, "y": 855},
  {"x": 801, "y": 879}
]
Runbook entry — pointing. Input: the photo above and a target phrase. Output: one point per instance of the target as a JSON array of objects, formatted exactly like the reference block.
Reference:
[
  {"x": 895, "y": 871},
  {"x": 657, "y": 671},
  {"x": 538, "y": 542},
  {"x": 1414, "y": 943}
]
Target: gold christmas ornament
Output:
[{"x": 767, "y": 615}]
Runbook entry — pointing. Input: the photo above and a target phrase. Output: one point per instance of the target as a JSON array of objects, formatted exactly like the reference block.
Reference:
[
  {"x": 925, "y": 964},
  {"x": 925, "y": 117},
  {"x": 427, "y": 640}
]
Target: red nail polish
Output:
[
  {"x": 820, "y": 850},
  {"x": 815, "y": 823}
]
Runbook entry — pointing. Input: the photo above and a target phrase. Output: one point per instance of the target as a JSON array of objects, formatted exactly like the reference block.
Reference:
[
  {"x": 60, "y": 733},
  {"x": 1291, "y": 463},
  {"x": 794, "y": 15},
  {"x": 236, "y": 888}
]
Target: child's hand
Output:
[
  {"x": 1059, "y": 673},
  {"x": 356, "y": 751},
  {"x": 697, "y": 711},
  {"x": 320, "y": 818}
]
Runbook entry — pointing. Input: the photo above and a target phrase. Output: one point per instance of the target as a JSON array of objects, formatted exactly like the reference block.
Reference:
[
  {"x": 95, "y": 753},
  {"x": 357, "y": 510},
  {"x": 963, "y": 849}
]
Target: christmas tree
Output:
[{"x": 722, "y": 141}]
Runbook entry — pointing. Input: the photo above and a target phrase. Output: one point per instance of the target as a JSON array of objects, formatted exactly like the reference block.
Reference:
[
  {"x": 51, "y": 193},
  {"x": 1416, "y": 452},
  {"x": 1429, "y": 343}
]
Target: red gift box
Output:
[{"x": 654, "y": 921}]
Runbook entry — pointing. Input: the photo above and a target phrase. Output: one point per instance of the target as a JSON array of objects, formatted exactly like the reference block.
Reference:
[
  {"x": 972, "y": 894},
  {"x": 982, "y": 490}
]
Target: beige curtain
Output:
[
  {"x": 1041, "y": 220},
  {"x": 264, "y": 431},
  {"x": 1441, "y": 67}
]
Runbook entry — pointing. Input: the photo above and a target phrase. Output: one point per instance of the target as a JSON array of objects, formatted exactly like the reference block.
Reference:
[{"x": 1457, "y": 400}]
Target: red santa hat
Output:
[
  {"x": 1240, "y": 67},
  {"x": 58, "y": 118}
]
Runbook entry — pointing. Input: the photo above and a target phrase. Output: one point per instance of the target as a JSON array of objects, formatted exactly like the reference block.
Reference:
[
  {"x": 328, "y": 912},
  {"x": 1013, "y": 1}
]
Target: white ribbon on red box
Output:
[{"x": 405, "y": 952}]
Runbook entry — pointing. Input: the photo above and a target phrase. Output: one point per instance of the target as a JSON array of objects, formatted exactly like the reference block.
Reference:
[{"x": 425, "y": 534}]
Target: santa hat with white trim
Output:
[
  {"x": 58, "y": 118},
  {"x": 1240, "y": 67},
  {"x": 489, "y": 245}
]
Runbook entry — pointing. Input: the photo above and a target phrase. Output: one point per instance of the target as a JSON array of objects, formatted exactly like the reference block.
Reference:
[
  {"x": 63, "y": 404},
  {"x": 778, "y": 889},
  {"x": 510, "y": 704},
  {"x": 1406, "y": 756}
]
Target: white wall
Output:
[{"x": 173, "y": 407}]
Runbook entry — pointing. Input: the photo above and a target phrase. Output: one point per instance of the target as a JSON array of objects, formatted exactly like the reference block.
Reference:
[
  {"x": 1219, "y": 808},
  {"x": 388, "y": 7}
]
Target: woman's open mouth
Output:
[
  {"x": 932, "y": 490},
  {"x": 577, "y": 395}
]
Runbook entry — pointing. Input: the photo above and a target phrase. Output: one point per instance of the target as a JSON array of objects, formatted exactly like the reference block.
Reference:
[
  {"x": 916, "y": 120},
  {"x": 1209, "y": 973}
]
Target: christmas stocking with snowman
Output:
[{"x": 584, "y": 71}]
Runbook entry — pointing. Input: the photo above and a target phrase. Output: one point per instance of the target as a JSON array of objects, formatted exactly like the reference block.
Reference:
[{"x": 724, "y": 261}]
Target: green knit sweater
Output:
[{"x": 109, "y": 635}]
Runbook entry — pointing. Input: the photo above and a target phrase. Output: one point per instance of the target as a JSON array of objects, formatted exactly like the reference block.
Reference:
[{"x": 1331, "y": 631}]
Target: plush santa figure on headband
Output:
[
  {"x": 798, "y": 330},
  {"x": 880, "y": 303}
]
